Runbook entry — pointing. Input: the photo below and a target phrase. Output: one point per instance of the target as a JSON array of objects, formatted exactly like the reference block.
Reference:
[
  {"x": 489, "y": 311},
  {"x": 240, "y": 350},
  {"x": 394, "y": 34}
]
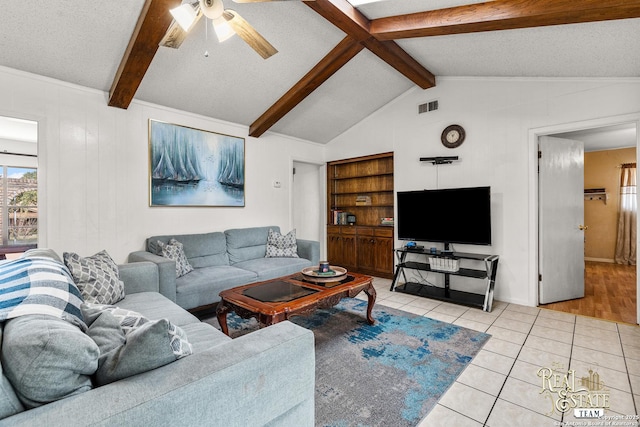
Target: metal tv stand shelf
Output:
[{"x": 446, "y": 294}]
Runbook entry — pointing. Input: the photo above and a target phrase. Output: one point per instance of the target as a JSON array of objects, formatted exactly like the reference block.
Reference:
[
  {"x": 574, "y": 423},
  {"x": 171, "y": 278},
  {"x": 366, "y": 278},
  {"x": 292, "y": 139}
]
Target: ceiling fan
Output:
[{"x": 226, "y": 23}]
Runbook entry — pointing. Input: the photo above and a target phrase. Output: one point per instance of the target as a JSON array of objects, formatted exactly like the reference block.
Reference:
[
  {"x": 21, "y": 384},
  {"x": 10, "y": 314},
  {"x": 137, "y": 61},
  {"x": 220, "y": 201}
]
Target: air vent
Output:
[{"x": 428, "y": 106}]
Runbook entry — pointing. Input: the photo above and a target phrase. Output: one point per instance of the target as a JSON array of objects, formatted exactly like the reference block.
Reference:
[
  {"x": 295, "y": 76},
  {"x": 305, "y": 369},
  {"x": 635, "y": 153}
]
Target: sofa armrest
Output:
[
  {"x": 166, "y": 271},
  {"x": 309, "y": 249},
  {"x": 261, "y": 378},
  {"x": 139, "y": 277}
]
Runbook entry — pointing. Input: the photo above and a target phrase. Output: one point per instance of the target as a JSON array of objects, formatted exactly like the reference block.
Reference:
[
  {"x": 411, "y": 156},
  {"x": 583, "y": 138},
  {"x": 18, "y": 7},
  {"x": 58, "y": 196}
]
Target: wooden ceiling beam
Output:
[
  {"x": 394, "y": 55},
  {"x": 350, "y": 20},
  {"x": 152, "y": 25},
  {"x": 344, "y": 16},
  {"x": 501, "y": 15},
  {"x": 332, "y": 62}
]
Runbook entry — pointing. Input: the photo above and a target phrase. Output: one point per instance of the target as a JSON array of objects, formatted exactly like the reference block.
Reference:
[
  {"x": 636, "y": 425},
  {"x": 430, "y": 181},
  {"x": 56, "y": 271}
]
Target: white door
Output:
[
  {"x": 561, "y": 216},
  {"x": 306, "y": 207}
]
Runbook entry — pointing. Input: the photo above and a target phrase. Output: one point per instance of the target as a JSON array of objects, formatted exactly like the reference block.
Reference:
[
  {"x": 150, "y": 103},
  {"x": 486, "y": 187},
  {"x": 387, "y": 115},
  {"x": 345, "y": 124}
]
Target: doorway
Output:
[
  {"x": 306, "y": 200},
  {"x": 610, "y": 289},
  {"x": 18, "y": 186}
]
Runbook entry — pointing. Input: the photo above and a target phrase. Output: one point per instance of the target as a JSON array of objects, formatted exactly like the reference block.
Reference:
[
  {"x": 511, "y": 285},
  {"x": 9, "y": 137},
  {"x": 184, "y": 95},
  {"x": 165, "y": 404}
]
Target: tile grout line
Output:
[
  {"x": 573, "y": 338},
  {"x": 624, "y": 358}
]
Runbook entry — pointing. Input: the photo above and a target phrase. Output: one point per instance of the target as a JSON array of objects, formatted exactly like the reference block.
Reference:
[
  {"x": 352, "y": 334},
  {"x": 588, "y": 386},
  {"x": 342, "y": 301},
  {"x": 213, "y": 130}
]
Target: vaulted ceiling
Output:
[{"x": 336, "y": 63}]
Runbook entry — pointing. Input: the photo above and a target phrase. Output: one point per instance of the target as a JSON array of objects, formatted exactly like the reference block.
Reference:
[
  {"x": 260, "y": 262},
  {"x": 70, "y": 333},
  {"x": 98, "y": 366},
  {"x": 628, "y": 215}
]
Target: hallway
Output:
[{"x": 610, "y": 293}]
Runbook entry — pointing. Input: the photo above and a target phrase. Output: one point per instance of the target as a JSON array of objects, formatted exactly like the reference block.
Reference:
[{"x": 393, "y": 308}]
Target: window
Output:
[
  {"x": 18, "y": 185},
  {"x": 19, "y": 208}
]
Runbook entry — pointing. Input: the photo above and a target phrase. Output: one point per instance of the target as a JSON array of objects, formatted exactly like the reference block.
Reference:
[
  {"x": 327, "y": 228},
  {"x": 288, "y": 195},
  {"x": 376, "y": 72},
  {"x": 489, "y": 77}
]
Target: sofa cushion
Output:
[
  {"x": 174, "y": 250},
  {"x": 270, "y": 268},
  {"x": 9, "y": 402},
  {"x": 154, "y": 306},
  {"x": 202, "y": 285},
  {"x": 247, "y": 243},
  {"x": 202, "y": 250},
  {"x": 149, "y": 346},
  {"x": 96, "y": 277},
  {"x": 47, "y": 358},
  {"x": 282, "y": 246}
]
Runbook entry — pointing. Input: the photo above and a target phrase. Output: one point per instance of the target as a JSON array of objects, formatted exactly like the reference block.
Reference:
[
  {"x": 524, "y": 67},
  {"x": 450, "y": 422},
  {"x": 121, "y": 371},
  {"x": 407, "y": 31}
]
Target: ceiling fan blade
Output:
[
  {"x": 249, "y": 34},
  {"x": 175, "y": 35}
]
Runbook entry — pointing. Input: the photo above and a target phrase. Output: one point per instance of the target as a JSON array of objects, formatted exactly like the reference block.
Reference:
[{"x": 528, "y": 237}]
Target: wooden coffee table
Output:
[{"x": 275, "y": 300}]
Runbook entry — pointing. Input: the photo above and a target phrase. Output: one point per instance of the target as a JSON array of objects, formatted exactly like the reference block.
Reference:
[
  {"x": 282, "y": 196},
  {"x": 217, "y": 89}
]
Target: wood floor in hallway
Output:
[{"x": 610, "y": 293}]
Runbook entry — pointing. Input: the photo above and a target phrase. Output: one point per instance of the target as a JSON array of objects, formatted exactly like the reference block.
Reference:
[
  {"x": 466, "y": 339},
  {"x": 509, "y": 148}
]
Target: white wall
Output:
[
  {"x": 94, "y": 161},
  {"x": 497, "y": 114}
]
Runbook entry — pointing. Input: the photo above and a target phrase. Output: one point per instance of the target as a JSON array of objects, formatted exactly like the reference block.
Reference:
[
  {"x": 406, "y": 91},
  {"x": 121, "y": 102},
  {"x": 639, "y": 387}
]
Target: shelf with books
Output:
[{"x": 360, "y": 195}]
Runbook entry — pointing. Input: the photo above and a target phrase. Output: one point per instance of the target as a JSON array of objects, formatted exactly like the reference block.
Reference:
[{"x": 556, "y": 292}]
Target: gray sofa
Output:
[
  {"x": 222, "y": 260},
  {"x": 263, "y": 378}
]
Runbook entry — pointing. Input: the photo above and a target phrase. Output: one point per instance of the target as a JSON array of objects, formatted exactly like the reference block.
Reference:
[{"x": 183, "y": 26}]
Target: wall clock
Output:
[{"x": 452, "y": 136}]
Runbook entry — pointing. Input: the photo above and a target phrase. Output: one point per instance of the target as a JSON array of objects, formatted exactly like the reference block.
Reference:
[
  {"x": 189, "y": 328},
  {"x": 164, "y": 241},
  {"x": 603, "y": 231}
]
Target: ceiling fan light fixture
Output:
[
  {"x": 356, "y": 3},
  {"x": 222, "y": 28},
  {"x": 185, "y": 15}
]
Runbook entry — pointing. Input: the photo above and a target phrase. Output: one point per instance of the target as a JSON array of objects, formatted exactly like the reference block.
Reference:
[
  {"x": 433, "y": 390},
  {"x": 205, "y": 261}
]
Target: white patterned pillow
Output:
[
  {"x": 279, "y": 246},
  {"x": 174, "y": 250},
  {"x": 128, "y": 320},
  {"x": 96, "y": 277},
  {"x": 127, "y": 350}
]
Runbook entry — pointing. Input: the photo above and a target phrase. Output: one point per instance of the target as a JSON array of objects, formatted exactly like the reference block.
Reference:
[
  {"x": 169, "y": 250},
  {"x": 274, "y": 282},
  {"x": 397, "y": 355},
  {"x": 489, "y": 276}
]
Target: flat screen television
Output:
[{"x": 454, "y": 215}]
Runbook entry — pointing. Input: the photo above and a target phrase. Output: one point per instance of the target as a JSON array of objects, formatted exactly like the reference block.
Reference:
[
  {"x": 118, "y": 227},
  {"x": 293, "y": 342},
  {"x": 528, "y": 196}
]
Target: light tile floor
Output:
[{"x": 501, "y": 386}]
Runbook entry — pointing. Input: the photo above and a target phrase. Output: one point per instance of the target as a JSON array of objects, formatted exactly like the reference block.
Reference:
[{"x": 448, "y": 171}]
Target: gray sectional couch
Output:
[
  {"x": 222, "y": 260},
  {"x": 263, "y": 378}
]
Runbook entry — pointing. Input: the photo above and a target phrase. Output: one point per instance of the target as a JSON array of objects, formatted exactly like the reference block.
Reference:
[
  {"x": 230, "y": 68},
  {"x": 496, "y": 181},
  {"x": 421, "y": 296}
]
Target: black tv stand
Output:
[{"x": 445, "y": 293}]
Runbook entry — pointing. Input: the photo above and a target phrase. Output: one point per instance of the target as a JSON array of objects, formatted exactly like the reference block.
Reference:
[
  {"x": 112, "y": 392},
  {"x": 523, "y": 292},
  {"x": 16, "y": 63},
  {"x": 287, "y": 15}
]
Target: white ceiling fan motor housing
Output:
[{"x": 212, "y": 9}]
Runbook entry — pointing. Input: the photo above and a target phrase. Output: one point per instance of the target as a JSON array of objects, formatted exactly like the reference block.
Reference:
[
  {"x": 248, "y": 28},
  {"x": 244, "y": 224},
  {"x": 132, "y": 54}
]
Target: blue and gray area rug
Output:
[{"x": 389, "y": 374}]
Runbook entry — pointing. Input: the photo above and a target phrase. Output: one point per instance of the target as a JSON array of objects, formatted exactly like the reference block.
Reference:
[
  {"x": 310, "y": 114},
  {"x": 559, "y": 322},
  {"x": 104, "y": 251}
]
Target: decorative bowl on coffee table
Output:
[{"x": 313, "y": 275}]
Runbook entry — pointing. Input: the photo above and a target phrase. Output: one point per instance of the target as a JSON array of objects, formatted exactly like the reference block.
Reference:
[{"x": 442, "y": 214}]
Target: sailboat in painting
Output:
[
  {"x": 231, "y": 166},
  {"x": 177, "y": 164}
]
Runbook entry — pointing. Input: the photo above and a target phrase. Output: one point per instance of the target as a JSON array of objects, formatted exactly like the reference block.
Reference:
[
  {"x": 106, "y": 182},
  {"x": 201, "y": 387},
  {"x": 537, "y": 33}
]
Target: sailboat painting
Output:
[{"x": 192, "y": 167}]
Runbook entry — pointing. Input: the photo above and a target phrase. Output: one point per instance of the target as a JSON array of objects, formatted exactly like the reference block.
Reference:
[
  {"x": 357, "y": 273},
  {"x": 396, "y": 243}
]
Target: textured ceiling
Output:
[
  {"x": 605, "y": 138},
  {"x": 83, "y": 42}
]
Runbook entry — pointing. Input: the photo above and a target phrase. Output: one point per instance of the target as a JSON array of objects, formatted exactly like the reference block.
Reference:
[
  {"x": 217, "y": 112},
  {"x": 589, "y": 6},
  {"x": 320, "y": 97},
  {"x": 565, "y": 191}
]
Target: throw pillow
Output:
[
  {"x": 147, "y": 346},
  {"x": 282, "y": 246},
  {"x": 96, "y": 276},
  {"x": 9, "y": 402},
  {"x": 127, "y": 319},
  {"x": 46, "y": 358},
  {"x": 174, "y": 250}
]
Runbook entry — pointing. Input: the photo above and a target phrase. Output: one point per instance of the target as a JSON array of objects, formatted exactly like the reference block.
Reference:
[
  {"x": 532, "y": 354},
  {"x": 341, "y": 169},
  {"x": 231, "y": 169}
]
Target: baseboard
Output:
[{"x": 610, "y": 261}]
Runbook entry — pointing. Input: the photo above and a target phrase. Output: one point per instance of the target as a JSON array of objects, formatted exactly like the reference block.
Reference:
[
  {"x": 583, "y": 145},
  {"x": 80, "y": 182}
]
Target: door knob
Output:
[{"x": 583, "y": 227}]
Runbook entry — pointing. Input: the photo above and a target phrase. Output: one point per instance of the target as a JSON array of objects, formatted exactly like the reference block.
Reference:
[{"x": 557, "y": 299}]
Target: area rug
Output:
[{"x": 389, "y": 374}]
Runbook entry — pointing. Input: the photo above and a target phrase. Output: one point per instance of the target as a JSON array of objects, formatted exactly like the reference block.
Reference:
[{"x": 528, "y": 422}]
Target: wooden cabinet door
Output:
[
  {"x": 384, "y": 255},
  {"x": 334, "y": 249},
  {"x": 348, "y": 251},
  {"x": 366, "y": 253}
]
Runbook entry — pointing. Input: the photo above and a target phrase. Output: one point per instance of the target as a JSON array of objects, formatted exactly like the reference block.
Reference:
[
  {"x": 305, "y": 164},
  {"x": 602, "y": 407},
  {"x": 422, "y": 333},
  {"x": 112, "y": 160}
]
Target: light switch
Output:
[{"x": 277, "y": 184}]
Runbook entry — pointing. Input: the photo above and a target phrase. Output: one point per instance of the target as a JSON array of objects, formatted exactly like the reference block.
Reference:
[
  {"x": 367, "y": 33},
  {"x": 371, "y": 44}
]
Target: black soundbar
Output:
[{"x": 441, "y": 160}]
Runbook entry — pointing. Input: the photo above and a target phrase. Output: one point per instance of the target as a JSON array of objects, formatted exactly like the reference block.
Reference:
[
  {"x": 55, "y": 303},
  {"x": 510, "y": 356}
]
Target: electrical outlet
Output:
[{"x": 277, "y": 184}]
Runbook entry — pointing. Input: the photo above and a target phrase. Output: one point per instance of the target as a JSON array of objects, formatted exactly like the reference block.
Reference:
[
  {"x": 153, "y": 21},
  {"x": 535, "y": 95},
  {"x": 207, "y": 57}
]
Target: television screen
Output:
[{"x": 455, "y": 215}]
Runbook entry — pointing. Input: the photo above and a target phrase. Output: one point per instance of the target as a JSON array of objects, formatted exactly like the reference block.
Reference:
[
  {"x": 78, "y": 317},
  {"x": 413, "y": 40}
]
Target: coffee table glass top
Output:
[{"x": 277, "y": 291}]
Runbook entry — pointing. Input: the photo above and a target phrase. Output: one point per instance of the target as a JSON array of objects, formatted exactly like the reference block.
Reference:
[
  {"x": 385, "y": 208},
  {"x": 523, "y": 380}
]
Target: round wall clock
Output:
[{"x": 452, "y": 136}]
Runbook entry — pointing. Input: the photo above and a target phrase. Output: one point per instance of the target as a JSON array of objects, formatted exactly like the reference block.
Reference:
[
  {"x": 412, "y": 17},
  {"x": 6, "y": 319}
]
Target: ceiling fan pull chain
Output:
[{"x": 206, "y": 35}]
